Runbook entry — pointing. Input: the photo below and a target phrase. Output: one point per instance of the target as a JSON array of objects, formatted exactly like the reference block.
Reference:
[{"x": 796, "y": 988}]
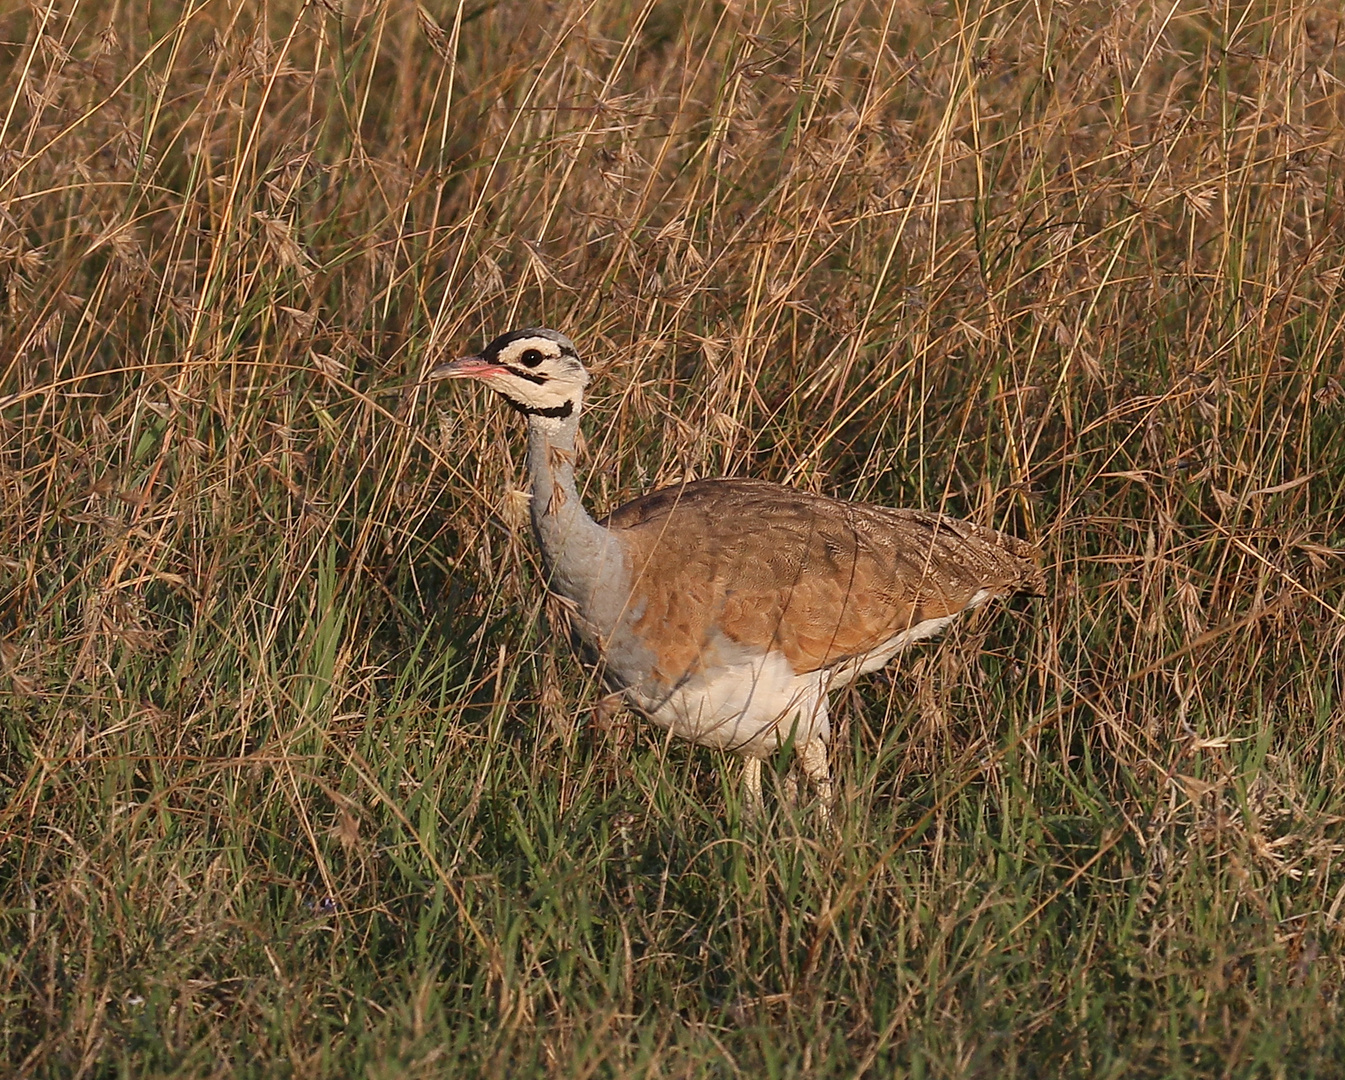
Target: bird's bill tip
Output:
[{"x": 465, "y": 367}]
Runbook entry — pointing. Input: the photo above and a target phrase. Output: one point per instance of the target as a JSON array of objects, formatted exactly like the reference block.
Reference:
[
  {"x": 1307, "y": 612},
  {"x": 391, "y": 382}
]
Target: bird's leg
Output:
[
  {"x": 789, "y": 787},
  {"x": 813, "y": 761},
  {"x": 753, "y": 807}
]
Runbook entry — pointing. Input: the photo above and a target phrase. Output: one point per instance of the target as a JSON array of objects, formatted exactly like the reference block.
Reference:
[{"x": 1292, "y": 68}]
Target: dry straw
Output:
[{"x": 293, "y": 777}]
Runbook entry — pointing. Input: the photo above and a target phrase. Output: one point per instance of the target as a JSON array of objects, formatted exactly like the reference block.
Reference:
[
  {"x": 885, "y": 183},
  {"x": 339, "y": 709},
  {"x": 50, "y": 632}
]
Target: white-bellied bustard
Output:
[{"x": 725, "y": 610}]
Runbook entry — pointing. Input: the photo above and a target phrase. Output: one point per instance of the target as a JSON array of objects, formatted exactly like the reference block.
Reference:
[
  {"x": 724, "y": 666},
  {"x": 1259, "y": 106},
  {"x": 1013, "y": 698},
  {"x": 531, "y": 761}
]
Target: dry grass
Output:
[{"x": 294, "y": 779}]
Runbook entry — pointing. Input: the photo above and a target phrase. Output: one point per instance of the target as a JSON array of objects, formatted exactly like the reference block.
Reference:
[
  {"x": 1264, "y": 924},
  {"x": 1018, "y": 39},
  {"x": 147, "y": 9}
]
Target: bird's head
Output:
[{"x": 536, "y": 370}]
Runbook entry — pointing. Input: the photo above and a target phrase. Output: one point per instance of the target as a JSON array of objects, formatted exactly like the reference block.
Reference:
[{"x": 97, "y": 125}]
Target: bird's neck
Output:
[{"x": 578, "y": 552}]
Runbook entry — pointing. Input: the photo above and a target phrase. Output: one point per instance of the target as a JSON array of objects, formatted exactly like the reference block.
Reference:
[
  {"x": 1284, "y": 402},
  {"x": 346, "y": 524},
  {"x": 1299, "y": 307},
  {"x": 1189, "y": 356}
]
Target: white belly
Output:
[
  {"x": 752, "y": 706},
  {"x": 753, "y": 702}
]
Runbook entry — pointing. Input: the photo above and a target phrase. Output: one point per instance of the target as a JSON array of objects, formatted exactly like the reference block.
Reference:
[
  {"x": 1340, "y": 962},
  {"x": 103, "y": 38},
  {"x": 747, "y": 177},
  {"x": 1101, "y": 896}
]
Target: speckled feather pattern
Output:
[{"x": 820, "y": 580}]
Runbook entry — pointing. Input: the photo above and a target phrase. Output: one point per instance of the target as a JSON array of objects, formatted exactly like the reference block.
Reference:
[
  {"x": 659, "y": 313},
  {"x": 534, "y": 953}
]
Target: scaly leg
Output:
[
  {"x": 813, "y": 761},
  {"x": 753, "y": 807}
]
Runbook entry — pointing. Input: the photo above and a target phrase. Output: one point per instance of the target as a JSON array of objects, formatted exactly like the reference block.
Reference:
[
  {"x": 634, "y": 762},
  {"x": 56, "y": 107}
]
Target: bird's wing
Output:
[{"x": 775, "y": 569}]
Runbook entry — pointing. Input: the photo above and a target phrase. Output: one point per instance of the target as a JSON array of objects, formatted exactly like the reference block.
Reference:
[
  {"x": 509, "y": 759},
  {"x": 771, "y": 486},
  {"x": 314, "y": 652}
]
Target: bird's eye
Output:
[{"x": 530, "y": 358}]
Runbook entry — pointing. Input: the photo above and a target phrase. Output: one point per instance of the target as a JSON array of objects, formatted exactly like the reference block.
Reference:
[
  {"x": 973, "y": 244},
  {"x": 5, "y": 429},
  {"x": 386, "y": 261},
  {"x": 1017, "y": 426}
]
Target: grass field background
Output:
[{"x": 295, "y": 781}]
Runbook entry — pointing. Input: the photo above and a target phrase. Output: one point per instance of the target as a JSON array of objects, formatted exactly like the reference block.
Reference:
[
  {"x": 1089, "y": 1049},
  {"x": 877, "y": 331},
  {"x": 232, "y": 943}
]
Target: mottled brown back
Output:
[{"x": 819, "y": 579}]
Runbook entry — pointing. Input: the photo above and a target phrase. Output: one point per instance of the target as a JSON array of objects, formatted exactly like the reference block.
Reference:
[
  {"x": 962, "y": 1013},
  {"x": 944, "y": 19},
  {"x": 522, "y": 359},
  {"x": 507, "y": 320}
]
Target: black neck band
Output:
[{"x": 556, "y": 412}]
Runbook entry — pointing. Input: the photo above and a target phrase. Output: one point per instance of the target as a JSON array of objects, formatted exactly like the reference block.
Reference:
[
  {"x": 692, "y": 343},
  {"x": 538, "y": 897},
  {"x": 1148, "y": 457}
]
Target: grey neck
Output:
[{"x": 582, "y": 560}]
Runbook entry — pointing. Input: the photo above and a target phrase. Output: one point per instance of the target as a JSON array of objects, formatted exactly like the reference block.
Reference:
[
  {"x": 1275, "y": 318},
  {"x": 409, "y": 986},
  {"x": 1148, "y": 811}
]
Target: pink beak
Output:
[{"x": 466, "y": 367}]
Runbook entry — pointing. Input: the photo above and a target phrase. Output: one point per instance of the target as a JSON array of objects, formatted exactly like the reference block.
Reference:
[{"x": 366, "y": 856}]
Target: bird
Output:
[{"x": 726, "y": 610}]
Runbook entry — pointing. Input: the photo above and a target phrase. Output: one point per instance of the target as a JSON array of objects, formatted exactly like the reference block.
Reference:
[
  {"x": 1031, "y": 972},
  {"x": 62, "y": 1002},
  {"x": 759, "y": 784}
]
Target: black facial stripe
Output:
[
  {"x": 531, "y": 376},
  {"x": 493, "y": 350},
  {"x": 555, "y": 412}
]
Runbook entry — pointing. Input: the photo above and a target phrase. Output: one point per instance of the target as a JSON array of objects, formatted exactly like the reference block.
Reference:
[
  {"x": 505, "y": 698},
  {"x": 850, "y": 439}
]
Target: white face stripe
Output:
[
  {"x": 512, "y": 354},
  {"x": 552, "y": 385}
]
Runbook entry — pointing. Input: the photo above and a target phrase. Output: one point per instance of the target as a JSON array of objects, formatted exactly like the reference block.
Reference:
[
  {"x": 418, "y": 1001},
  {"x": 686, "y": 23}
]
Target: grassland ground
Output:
[{"x": 294, "y": 779}]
